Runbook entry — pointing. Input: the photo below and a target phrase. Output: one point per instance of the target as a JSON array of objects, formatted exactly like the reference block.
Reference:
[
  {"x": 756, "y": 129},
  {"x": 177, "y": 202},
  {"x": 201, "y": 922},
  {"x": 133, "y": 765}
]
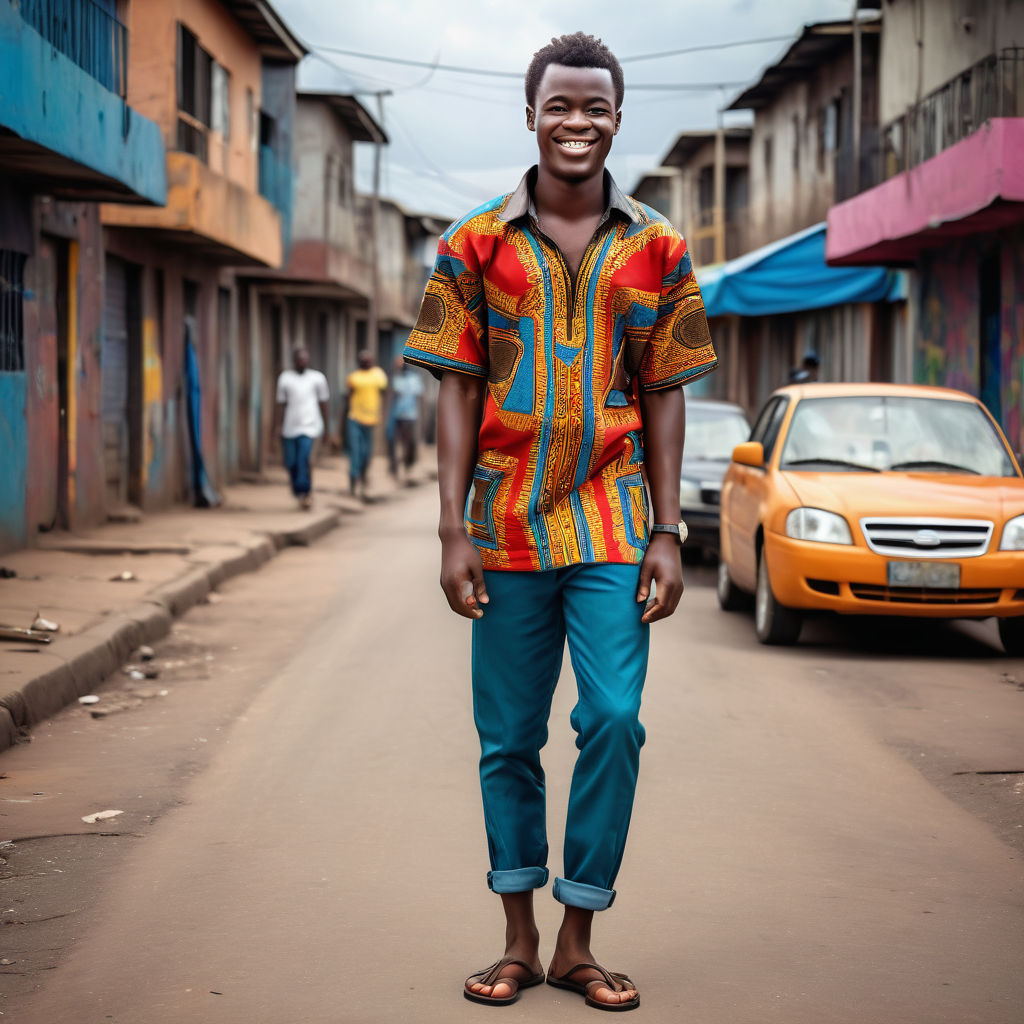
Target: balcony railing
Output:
[
  {"x": 85, "y": 33},
  {"x": 994, "y": 87}
]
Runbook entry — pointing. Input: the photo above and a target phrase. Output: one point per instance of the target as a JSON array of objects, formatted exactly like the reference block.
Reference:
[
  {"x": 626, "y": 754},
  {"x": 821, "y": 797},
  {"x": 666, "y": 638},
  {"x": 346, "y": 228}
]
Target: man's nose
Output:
[{"x": 577, "y": 120}]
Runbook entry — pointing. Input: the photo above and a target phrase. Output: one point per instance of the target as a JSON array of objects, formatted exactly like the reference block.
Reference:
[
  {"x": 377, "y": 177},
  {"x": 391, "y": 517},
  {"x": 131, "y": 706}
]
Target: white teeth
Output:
[{"x": 574, "y": 144}]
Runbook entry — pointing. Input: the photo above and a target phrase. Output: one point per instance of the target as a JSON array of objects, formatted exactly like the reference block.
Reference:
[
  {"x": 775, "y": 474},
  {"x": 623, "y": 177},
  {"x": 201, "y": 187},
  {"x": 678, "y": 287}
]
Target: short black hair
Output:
[{"x": 574, "y": 51}]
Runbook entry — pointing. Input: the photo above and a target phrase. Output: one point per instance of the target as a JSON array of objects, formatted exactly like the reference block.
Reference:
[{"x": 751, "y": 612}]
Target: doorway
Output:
[{"x": 121, "y": 374}]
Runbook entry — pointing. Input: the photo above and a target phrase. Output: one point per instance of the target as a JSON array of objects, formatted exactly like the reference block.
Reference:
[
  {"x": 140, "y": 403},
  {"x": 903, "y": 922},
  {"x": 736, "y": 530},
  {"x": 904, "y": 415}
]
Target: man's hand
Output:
[
  {"x": 462, "y": 576},
  {"x": 662, "y": 564}
]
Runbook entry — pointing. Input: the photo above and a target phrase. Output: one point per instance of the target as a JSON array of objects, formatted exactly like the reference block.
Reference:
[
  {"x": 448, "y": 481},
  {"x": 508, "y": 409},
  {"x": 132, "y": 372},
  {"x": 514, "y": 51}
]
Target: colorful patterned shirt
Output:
[{"x": 558, "y": 476}]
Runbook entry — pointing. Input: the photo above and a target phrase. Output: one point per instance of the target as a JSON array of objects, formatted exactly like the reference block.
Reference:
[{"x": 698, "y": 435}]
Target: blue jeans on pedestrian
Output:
[
  {"x": 359, "y": 441},
  {"x": 296, "y": 460},
  {"x": 517, "y": 657}
]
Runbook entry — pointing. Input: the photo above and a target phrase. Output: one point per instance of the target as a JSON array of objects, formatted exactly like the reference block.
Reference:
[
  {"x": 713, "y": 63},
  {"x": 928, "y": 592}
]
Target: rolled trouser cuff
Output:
[
  {"x": 579, "y": 894},
  {"x": 517, "y": 879}
]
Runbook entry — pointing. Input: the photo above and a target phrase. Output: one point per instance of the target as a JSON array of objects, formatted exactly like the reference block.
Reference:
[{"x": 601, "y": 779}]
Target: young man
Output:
[
  {"x": 404, "y": 418},
  {"x": 562, "y": 319},
  {"x": 299, "y": 420},
  {"x": 362, "y": 414}
]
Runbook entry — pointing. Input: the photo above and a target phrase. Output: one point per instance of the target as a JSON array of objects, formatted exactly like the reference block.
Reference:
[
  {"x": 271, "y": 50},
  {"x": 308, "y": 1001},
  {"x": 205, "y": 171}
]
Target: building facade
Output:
[
  {"x": 71, "y": 136},
  {"x": 947, "y": 199}
]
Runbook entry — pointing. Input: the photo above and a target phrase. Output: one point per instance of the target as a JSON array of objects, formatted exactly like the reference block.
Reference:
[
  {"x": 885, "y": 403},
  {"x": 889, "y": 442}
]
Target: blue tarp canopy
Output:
[{"x": 791, "y": 275}]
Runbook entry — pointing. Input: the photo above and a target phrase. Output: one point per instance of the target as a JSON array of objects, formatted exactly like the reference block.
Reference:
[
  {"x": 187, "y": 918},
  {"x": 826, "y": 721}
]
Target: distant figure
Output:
[
  {"x": 404, "y": 417},
  {"x": 807, "y": 371},
  {"x": 362, "y": 414},
  {"x": 299, "y": 420}
]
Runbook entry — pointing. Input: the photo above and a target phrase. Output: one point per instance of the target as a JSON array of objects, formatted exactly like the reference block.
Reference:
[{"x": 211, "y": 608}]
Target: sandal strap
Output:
[
  {"x": 490, "y": 975},
  {"x": 615, "y": 982}
]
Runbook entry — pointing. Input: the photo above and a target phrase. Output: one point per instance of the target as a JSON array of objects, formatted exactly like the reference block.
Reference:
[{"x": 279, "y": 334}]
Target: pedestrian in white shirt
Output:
[{"x": 299, "y": 420}]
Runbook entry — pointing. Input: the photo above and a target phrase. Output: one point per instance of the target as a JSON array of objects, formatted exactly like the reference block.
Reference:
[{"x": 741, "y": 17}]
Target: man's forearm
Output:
[
  {"x": 460, "y": 403},
  {"x": 664, "y": 416}
]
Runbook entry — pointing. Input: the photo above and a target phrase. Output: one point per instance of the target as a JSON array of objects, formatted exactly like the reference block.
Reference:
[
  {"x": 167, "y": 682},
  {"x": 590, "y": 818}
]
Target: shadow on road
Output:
[{"x": 869, "y": 636}]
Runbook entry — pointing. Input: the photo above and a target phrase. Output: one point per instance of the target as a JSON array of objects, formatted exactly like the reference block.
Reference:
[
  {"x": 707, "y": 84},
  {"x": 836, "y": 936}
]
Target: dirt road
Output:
[{"x": 301, "y": 837}]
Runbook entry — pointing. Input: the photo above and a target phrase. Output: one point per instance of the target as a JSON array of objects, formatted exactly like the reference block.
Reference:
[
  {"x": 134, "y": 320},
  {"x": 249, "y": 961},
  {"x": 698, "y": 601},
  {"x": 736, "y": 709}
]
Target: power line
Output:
[
  {"x": 704, "y": 48},
  {"x": 492, "y": 73}
]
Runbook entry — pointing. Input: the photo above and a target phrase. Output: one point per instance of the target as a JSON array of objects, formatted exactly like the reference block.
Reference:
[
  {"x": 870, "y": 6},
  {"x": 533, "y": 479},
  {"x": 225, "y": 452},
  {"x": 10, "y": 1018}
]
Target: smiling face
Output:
[{"x": 575, "y": 119}]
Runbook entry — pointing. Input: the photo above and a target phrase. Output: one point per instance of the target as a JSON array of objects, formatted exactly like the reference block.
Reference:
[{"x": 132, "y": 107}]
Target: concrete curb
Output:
[{"x": 75, "y": 665}]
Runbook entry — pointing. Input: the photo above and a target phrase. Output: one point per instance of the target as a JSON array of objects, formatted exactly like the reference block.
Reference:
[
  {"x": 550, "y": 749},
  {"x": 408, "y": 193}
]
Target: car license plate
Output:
[{"x": 940, "y": 575}]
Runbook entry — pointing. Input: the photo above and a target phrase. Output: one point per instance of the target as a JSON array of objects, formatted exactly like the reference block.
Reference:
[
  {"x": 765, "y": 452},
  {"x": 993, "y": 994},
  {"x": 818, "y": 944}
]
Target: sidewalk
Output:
[{"x": 172, "y": 560}]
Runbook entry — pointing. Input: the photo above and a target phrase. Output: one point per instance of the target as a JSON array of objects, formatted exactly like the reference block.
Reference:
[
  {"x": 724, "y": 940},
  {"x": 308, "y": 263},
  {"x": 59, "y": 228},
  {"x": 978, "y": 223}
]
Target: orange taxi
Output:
[{"x": 873, "y": 499}]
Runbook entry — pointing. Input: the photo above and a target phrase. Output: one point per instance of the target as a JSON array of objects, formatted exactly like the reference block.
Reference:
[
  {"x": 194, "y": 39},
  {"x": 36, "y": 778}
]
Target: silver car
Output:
[{"x": 713, "y": 429}]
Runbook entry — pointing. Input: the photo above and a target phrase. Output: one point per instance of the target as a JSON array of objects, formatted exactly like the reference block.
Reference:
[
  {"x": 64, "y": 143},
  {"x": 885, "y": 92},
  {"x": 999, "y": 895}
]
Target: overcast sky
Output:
[{"x": 457, "y": 140}]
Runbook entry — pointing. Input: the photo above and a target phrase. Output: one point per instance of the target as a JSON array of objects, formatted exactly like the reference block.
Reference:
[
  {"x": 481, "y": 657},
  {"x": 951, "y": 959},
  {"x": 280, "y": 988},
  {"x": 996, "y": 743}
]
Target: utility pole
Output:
[
  {"x": 373, "y": 318},
  {"x": 857, "y": 100}
]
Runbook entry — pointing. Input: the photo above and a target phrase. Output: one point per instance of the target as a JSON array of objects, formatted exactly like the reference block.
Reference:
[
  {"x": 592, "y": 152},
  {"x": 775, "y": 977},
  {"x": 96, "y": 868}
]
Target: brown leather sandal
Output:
[
  {"x": 613, "y": 981},
  {"x": 492, "y": 975}
]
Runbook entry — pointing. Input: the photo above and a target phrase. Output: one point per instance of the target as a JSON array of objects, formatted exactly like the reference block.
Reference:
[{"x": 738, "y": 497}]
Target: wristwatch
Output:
[{"x": 679, "y": 529}]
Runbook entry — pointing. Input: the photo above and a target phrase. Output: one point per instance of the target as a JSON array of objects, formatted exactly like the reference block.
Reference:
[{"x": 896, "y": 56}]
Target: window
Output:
[
  {"x": 768, "y": 156},
  {"x": 12, "y": 320},
  {"x": 203, "y": 95},
  {"x": 766, "y": 429},
  {"x": 220, "y": 100}
]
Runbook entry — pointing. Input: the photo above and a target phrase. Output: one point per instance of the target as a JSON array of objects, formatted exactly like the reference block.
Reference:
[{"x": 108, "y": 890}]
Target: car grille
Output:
[
  {"x": 932, "y": 538},
  {"x": 923, "y": 595},
  {"x": 710, "y": 495}
]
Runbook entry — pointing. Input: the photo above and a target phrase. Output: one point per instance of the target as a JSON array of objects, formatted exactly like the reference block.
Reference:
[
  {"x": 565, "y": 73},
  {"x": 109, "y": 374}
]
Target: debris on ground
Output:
[
  {"x": 124, "y": 577},
  {"x": 6, "y": 573},
  {"x": 37, "y": 636},
  {"x": 45, "y": 625},
  {"x": 145, "y": 653},
  {"x": 89, "y": 698},
  {"x": 91, "y": 819}
]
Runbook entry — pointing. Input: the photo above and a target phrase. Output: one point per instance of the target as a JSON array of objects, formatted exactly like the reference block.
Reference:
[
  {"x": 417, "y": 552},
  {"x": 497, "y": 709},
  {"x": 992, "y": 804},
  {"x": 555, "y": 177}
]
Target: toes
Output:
[{"x": 500, "y": 990}]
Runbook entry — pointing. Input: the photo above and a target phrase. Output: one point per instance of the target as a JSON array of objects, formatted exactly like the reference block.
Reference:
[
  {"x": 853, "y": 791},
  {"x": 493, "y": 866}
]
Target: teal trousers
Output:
[{"x": 517, "y": 657}]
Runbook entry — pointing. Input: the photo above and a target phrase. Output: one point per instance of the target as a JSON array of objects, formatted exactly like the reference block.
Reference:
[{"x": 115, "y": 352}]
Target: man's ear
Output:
[
  {"x": 618, "y": 121},
  {"x": 531, "y": 118}
]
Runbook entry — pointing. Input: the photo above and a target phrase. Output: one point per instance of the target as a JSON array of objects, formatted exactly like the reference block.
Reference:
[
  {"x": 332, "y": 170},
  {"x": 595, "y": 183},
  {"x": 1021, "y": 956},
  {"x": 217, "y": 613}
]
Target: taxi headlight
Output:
[
  {"x": 689, "y": 492},
  {"x": 1013, "y": 535},
  {"x": 818, "y": 525}
]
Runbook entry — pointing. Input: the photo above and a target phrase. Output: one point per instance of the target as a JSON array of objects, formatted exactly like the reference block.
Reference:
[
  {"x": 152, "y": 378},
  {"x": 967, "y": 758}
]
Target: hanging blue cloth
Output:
[
  {"x": 203, "y": 494},
  {"x": 791, "y": 275}
]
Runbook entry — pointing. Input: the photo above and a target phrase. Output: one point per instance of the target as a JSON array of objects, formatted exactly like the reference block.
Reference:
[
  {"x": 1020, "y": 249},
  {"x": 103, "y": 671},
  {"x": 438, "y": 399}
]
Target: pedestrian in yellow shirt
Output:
[{"x": 363, "y": 404}]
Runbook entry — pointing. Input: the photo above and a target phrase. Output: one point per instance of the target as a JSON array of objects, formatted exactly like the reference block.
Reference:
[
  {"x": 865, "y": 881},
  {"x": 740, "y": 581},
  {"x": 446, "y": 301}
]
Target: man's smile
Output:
[{"x": 576, "y": 144}]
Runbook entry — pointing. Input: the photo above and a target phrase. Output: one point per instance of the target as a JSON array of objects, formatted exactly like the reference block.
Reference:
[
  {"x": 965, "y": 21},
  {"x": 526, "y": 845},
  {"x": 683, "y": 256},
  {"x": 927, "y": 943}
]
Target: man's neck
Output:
[{"x": 569, "y": 200}]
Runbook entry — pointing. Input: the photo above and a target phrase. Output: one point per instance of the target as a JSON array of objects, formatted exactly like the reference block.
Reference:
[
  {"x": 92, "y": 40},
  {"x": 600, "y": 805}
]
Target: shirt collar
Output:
[{"x": 520, "y": 203}]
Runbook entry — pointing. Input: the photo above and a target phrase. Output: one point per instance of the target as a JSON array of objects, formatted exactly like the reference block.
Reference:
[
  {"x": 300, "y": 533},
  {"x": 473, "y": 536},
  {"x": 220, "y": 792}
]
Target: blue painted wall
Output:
[
  {"x": 13, "y": 460},
  {"x": 47, "y": 99}
]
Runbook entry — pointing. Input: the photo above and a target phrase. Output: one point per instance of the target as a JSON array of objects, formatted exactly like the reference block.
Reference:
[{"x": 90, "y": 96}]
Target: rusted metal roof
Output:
[
  {"x": 361, "y": 124},
  {"x": 274, "y": 38},
  {"x": 817, "y": 44}
]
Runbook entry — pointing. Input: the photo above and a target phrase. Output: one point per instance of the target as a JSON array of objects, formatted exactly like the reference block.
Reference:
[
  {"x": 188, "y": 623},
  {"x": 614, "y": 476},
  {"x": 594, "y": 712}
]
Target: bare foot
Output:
[
  {"x": 516, "y": 972},
  {"x": 563, "y": 962}
]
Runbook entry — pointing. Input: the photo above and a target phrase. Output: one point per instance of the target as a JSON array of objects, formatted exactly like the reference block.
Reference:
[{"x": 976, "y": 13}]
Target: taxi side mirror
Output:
[{"x": 750, "y": 453}]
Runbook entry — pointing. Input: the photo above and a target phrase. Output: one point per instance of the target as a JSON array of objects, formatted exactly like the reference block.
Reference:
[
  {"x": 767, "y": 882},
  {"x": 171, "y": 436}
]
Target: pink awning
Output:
[{"x": 975, "y": 186}]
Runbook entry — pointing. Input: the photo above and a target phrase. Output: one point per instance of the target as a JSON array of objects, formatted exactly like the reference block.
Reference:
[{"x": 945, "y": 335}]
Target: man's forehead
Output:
[{"x": 565, "y": 80}]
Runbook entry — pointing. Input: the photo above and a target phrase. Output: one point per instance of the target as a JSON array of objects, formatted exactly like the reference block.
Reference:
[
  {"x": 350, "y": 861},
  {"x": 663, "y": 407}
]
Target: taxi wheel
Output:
[
  {"x": 1011, "y": 632},
  {"x": 730, "y": 597},
  {"x": 774, "y": 622}
]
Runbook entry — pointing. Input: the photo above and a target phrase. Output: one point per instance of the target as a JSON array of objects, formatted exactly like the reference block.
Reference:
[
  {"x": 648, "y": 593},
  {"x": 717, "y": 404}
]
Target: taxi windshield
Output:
[{"x": 880, "y": 433}]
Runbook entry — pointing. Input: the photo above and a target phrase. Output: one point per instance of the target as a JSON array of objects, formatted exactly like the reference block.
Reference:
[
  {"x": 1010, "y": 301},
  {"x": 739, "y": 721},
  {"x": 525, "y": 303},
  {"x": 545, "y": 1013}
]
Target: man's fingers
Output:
[
  {"x": 467, "y": 592},
  {"x": 643, "y": 591},
  {"x": 480, "y": 590}
]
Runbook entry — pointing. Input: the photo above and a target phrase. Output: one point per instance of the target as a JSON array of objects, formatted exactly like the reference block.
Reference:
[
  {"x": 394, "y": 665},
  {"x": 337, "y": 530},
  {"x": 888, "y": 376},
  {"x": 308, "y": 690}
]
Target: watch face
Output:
[{"x": 683, "y": 532}]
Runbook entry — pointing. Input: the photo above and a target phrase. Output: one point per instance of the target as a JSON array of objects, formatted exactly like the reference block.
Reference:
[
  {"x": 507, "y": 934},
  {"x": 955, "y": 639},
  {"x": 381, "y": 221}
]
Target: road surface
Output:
[{"x": 302, "y": 841}]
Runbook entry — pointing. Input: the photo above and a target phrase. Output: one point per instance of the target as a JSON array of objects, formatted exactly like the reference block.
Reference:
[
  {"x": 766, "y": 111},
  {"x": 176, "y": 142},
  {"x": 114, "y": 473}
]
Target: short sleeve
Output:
[
  {"x": 450, "y": 333},
  {"x": 322, "y": 393},
  {"x": 679, "y": 348},
  {"x": 382, "y": 379}
]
